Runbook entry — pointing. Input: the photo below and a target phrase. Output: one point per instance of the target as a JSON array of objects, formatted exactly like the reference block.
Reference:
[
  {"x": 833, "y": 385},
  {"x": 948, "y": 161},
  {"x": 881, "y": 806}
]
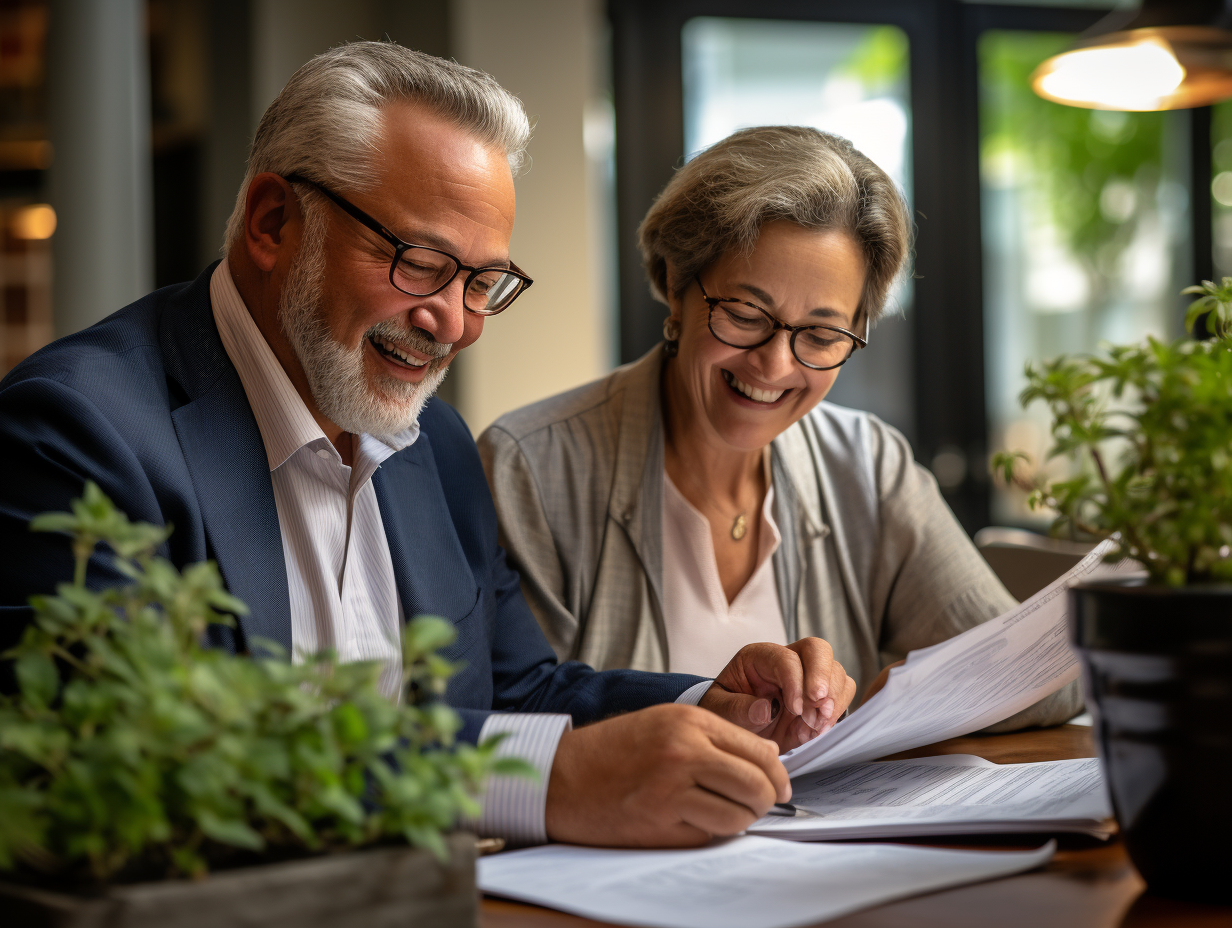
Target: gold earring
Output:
[{"x": 671, "y": 336}]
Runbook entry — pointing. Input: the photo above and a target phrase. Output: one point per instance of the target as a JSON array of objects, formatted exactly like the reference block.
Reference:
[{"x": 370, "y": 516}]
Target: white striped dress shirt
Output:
[{"x": 340, "y": 574}]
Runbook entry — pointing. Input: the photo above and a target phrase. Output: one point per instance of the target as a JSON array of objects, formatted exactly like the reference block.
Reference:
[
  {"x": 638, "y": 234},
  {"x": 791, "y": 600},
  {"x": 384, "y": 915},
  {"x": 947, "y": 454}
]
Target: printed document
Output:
[
  {"x": 975, "y": 679},
  {"x": 745, "y": 882},
  {"x": 944, "y": 795}
]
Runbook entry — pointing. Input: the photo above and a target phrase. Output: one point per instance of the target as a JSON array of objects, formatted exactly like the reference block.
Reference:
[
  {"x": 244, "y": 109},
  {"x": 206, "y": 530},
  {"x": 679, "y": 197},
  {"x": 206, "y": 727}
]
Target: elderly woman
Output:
[{"x": 704, "y": 497}]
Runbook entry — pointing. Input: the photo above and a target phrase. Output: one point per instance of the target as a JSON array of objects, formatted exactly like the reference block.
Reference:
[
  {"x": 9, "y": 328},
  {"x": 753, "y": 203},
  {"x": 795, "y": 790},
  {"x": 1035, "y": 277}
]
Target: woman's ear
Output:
[{"x": 671, "y": 328}]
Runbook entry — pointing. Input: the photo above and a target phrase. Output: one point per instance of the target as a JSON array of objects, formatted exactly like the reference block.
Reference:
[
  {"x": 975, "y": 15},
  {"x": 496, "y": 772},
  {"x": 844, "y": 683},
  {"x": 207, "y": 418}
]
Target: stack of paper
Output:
[
  {"x": 744, "y": 882},
  {"x": 945, "y": 795},
  {"x": 974, "y": 680}
]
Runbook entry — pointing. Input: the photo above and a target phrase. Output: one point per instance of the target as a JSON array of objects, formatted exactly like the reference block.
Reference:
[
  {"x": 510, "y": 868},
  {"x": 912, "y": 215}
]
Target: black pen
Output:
[{"x": 783, "y": 808}]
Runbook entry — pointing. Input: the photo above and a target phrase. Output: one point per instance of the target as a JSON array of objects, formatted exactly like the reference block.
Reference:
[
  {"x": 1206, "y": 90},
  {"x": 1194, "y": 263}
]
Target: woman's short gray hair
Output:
[
  {"x": 719, "y": 201},
  {"x": 326, "y": 123}
]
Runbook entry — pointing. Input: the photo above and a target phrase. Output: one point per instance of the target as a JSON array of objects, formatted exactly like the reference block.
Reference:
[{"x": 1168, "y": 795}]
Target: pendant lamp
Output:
[{"x": 1164, "y": 55}]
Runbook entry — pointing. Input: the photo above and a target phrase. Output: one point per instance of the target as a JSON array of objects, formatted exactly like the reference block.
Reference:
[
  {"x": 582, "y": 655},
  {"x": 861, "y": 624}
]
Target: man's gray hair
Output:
[
  {"x": 326, "y": 123},
  {"x": 718, "y": 202}
]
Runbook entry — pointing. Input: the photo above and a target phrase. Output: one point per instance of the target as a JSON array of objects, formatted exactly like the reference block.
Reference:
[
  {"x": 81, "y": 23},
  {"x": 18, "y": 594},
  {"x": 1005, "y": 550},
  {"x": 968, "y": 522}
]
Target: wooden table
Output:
[{"x": 1088, "y": 884}]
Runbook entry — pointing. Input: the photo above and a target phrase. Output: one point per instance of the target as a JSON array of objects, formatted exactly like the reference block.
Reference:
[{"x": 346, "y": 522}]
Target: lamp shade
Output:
[{"x": 1168, "y": 54}]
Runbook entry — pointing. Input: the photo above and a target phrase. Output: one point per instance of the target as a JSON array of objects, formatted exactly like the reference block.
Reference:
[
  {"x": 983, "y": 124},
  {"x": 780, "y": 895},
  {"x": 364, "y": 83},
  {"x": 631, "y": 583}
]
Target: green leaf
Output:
[
  {"x": 349, "y": 724},
  {"x": 427, "y": 633},
  {"x": 38, "y": 678},
  {"x": 64, "y": 522},
  {"x": 229, "y": 831},
  {"x": 515, "y": 767}
]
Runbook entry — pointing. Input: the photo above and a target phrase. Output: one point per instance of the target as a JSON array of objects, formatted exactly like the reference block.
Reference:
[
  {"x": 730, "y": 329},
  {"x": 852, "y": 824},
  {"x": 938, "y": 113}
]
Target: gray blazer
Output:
[{"x": 872, "y": 560}]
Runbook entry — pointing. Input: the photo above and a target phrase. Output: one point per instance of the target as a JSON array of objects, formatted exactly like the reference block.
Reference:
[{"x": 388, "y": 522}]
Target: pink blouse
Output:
[{"x": 704, "y": 631}]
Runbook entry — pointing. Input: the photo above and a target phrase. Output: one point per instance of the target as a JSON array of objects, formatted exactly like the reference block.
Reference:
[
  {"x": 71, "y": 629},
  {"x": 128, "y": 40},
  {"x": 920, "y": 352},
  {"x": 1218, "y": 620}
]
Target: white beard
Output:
[{"x": 340, "y": 386}]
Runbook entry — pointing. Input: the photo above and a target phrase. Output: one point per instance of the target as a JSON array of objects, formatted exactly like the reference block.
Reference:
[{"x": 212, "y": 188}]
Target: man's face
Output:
[{"x": 372, "y": 354}]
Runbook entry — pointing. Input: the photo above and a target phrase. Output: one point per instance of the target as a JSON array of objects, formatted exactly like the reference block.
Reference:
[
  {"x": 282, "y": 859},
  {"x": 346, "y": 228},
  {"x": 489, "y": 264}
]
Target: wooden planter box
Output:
[{"x": 397, "y": 886}]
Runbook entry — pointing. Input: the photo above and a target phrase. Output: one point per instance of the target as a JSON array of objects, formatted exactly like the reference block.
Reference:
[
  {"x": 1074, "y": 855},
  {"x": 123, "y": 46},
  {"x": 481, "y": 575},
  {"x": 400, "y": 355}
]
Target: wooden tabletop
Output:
[{"x": 1088, "y": 884}]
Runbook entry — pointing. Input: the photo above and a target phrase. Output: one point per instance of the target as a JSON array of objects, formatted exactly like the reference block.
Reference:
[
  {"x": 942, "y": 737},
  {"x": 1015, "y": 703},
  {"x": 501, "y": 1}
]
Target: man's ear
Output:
[{"x": 272, "y": 221}]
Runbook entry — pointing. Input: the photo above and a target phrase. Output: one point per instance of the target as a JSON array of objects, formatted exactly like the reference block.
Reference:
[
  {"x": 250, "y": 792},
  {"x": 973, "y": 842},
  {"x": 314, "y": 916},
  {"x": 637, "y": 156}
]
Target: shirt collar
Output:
[{"x": 284, "y": 421}]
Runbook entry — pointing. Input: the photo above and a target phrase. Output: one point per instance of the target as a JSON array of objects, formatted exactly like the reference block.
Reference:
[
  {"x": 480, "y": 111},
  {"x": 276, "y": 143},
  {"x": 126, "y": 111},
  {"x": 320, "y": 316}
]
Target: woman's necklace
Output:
[
  {"x": 740, "y": 524},
  {"x": 740, "y": 527}
]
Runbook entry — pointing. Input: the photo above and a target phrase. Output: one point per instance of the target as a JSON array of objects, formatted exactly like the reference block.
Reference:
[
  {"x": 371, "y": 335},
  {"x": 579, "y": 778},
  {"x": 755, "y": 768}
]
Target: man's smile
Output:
[{"x": 401, "y": 356}]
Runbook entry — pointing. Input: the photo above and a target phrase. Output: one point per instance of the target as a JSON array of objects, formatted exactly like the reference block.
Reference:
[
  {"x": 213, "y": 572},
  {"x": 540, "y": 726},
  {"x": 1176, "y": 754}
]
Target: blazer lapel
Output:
[
  {"x": 636, "y": 502},
  {"x": 226, "y": 458},
  {"x": 430, "y": 567}
]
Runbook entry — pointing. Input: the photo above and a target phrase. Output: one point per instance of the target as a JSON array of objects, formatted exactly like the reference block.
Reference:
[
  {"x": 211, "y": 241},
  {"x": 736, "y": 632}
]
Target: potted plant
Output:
[
  {"x": 1149, "y": 428},
  {"x": 148, "y": 780}
]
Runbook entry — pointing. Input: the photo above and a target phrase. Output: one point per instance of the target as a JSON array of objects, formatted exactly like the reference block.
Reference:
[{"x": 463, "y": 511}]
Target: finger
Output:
[
  {"x": 817, "y": 660},
  {"x": 785, "y": 667},
  {"x": 752, "y": 713},
  {"x": 838, "y": 686},
  {"x": 737, "y": 780},
  {"x": 842, "y": 704},
  {"x": 843, "y": 698},
  {"x": 798, "y": 733},
  {"x": 825, "y": 712},
  {"x": 762, "y": 752},
  {"x": 714, "y": 814}
]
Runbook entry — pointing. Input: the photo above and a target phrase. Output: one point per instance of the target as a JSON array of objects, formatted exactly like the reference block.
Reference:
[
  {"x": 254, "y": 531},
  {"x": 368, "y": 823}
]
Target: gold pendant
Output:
[{"x": 740, "y": 527}]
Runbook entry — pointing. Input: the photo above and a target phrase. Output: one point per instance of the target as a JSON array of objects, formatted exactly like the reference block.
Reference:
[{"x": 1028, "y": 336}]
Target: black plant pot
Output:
[{"x": 1158, "y": 670}]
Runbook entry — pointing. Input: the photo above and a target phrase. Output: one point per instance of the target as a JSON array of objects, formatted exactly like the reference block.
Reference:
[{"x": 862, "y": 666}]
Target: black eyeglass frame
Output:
[
  {"x": 712, "y": 301},
  {"x": 400, "y": 248}
]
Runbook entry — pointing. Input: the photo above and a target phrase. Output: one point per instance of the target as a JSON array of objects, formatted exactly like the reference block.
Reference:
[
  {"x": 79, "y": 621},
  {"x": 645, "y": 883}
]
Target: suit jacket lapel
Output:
[
  {"x": 430, "y": 567},
  {"x": 225, "y": 455}
]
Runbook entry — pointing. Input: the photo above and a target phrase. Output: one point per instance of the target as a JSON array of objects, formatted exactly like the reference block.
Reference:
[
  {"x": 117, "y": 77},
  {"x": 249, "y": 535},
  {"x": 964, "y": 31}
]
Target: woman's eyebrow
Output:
[{"x": 768, "y": 301}]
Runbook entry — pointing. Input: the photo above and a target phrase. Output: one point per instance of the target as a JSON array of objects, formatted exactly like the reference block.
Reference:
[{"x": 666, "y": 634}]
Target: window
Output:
[{"x": 1085, "y": 234}]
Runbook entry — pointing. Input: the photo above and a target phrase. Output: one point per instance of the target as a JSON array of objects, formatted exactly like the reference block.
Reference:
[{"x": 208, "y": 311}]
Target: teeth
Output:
[
  {"x": 758, "y": 396},
  {"x": 399, "y": 353}
]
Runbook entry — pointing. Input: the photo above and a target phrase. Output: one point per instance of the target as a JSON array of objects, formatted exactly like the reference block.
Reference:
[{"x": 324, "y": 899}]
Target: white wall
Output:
[{"x": 560, "y": 332}]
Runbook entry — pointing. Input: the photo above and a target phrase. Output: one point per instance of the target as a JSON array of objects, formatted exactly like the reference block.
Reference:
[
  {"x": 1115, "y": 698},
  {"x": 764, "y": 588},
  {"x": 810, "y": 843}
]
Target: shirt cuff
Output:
[
  {"x": 514, "y": 808},
  {"x": 693, "y": 695}
]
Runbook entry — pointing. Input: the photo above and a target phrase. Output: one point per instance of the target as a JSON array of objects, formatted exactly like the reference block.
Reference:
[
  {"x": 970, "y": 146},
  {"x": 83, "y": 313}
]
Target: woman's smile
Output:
[{"x": 754, "y": 396}]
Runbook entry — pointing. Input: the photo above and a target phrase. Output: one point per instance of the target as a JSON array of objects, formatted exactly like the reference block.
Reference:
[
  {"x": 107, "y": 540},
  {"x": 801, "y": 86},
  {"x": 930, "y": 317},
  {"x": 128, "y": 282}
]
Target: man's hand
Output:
[
  {"x": 788, "y": 694},
  {"x": 667, "y": 776}
]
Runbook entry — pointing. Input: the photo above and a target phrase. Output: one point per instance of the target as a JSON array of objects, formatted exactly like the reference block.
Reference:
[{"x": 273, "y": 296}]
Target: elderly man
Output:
[{"x": 276, "y": 411}]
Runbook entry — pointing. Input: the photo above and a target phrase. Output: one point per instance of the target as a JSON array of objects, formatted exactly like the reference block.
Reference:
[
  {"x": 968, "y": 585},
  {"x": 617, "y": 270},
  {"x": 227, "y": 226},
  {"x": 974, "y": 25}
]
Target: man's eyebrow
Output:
[
  {"x": 439, "y": 242},
  {"x": 767, "y": 300},
  {"x": 426, "y": 237}
]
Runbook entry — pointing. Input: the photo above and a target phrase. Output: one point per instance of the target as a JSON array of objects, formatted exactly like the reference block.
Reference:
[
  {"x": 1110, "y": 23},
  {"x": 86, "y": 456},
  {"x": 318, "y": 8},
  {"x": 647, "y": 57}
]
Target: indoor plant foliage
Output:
[
  {"x": 1149, "y": 427},
  {"x": 131, "y": 751}
]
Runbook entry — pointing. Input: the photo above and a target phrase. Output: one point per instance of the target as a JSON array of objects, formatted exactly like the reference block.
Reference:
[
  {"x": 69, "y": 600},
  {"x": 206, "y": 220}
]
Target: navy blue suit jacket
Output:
[{"x": 148, "y": 405}]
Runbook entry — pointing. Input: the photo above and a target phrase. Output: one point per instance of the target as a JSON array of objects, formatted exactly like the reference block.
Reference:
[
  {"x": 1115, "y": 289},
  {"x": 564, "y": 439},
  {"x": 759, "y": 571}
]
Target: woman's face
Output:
[{"x": 744, "y": 397}]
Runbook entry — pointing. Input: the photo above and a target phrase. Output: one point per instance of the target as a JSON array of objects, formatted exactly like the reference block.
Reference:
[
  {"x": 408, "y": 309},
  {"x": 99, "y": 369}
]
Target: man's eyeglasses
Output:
[
  {"x": 747, "y": 325},
  {"x": 422, "y": 271}
]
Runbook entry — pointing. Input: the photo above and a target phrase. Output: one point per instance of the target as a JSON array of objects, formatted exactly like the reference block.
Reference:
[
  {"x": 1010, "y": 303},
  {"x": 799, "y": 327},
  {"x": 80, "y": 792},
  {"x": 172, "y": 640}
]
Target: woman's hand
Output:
[
  {"x": 876, "y": 685},
  {"x": 788, "y": 694}
]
